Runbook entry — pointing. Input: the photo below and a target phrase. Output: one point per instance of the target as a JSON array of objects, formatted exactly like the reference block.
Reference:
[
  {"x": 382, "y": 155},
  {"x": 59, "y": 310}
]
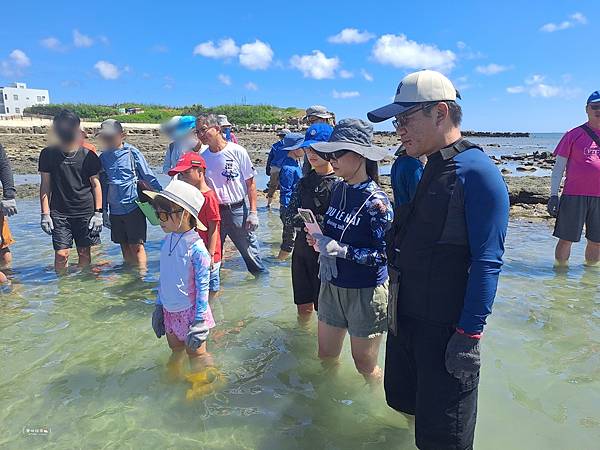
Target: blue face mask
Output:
[{"x": 227, "y": 133}]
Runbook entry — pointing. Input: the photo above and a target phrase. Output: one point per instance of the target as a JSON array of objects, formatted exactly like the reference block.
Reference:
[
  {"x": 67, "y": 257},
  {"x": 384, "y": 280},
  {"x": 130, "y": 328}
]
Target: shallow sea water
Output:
[{"x": 78, "y": 356}]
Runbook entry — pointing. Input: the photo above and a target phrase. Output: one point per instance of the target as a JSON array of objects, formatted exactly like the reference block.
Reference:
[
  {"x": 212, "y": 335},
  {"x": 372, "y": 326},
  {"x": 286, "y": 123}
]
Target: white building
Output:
[{"x": 15, "y": 98}]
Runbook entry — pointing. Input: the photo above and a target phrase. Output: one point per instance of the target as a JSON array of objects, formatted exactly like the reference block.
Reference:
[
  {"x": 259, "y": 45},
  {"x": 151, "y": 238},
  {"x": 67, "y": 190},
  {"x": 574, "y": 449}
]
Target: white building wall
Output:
[{"x": 14, "y": 99}]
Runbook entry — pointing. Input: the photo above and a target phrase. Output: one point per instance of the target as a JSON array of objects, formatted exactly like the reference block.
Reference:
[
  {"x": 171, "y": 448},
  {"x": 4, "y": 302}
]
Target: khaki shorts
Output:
[{"x": 362, "y": 311}]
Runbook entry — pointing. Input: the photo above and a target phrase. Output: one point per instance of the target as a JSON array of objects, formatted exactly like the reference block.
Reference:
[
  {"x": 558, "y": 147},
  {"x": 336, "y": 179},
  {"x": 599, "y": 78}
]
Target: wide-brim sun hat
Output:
[
  {"x": 417, "y": 87},
  {"x": 319, "y": 111},
  {"x": 185, "y": 195},
  {"x": 223, "y": 121},
  {"x": 354, "y": 135},
  {"x": 318, "y": 132}
]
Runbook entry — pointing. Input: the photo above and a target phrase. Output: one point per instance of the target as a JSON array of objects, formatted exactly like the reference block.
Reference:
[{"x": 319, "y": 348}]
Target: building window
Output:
[
  {"x": 39, "y": 98},
  {"x": 5, "y": 96},
  {"x": 7, "y": 110},
  {"x": 15, "y": 97},
  {"x": 43, "y": 97},
  {"x": 18, "y": 110}
]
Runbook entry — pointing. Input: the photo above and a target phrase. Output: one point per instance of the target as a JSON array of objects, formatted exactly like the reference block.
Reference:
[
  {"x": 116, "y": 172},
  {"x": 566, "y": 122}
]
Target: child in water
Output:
[{"x": 182, "y": 311}]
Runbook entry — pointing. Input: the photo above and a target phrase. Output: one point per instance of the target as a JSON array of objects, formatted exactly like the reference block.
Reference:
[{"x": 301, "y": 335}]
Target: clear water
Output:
[{"x": 78, "y": 355}]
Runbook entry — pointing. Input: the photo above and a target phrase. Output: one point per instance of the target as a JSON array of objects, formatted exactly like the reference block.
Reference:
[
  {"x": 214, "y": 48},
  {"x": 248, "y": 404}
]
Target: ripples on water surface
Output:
[{"x": 79, "y": 356}]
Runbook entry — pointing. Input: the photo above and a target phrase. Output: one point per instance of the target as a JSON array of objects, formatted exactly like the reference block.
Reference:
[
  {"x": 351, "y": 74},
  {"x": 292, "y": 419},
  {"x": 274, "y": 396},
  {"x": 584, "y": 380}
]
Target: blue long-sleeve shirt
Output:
[
  {"x": 121, "y": 168},
  {"x": 486, "y": 209},
  {"x": 405, "y": 176},
  {"x": 276, "y": 156},
  {"x": 288, "y": 177}
]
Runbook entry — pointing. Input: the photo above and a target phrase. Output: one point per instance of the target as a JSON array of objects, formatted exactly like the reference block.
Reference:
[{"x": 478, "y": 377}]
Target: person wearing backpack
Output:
[
  {"x": 578, "y": 153},
  {"x": 123, "y": 166}
]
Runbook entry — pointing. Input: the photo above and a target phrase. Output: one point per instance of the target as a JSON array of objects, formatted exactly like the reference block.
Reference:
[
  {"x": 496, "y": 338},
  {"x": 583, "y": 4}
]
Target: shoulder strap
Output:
[{"x": 591, "y": 133}]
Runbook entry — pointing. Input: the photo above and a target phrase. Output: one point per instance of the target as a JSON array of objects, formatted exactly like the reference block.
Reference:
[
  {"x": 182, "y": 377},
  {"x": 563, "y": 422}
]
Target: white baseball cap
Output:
[{"x": 418, "y": 87}]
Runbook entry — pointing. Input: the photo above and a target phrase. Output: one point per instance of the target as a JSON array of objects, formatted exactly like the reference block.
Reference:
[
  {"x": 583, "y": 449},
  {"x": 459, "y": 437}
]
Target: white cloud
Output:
[
  {"x": 366, "y": 75},
  {"x": 345, "y": 94},
  {"x": 225, "y": 49},
  {"x": 104, "y": 40},
  {"x": 492, "y": 69},
  {"x": 82, "y": 40},
  {"x": 574, "y": 20},
  {"x": 346, "y": 74},
  {"x": 14, "y": 65},
  {"x": 351, "y": 36},
  {"x": 461, "y": 45},
  {"x": 256, "y": 56},
  {"x": 536, "y": 86},
  {"x": 398, "y": 51},
  {"x": 52, "y": 43},
  {"x": 159, "y": 48},
  {"x": 251, "y": 86},
  {"x": 107, "y": 70},
  {"x": 316, "y": 65},
  {"x": 225, "y": 79},
  {"x": 19, "y": 58}
]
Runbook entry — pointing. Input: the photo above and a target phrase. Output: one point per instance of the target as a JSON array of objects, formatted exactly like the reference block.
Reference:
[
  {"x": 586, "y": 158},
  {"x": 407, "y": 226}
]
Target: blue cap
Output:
[
  {"x": 292, "y": 141},
  {"x": 594, "y": 98},
  {"x": 184, "y": 126},
  {"x": 319, "y": 132}
]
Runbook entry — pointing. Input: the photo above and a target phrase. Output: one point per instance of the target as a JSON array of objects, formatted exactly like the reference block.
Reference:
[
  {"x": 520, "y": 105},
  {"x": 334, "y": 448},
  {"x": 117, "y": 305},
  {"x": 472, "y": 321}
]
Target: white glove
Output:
[
  {"x": 95, "y": 224},
  {"x": 330, "y": 247},
  {"x": 8, "y": 207},
  {"x": 252, "y": 221},
  {"x": 46, "y": 224},
  {"x": 327, "y": 267}
]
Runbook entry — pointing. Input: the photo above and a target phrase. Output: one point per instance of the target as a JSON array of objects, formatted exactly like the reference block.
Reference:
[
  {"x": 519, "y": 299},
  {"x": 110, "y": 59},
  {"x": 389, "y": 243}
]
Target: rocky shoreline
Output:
[{"x": 528, "y": 194}]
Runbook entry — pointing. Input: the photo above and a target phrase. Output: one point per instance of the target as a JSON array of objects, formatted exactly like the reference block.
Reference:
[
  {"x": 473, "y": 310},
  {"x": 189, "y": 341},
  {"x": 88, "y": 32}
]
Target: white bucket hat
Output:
[
  {"x": 223, "y": 121},
  {"x": 185, "y": 195}
]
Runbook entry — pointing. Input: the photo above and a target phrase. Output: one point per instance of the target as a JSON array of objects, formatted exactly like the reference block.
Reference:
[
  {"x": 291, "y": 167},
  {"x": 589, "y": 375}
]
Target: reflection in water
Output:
[{"x": 79, "y": 356}]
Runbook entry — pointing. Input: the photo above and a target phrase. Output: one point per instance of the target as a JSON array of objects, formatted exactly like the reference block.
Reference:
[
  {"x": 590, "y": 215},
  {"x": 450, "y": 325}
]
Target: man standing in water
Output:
[
  {"x": 8, "y": 207},
  {"x": 229, "y": 172},
  {"x": 445, "y": 257},
  {"x": 579, "y": 153},
  {"x": 70, "y": 192}
]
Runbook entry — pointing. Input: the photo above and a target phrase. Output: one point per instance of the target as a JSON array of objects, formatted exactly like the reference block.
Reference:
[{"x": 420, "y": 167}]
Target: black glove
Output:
[
  {"x": 462, "y": 355},
  {"x": 158, "y": 321},
  {"x": 553, "y": 206}
]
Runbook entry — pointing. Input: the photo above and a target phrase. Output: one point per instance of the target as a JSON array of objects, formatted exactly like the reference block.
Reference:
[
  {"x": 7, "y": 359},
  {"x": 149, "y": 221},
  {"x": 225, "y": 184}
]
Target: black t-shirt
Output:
[{"x": 70, "y": 180}]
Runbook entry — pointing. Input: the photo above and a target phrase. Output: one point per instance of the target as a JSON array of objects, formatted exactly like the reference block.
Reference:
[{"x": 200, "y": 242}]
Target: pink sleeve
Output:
[{"x": 564, "y": 146}]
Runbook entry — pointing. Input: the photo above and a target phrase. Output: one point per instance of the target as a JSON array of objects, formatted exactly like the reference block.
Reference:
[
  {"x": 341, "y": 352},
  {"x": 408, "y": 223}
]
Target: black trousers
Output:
[{"x": 417, "y": 383}]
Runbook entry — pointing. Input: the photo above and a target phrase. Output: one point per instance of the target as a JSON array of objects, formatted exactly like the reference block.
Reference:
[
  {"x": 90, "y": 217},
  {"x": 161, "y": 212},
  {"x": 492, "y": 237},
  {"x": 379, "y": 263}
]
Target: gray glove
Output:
[
  {"x": 106, "y": 220},
  {"x": 462, "y": 356},
  {"x": 46, "y": 224},
  {"x": 197, "y": 334},
  {"x": 95, "y": 224},
  {"x": 252, "y": 221},
  {"x": 158, "y": 321},
  {"x": 330, "y": 247},
  {"x": 8, "y": 207},
  {"x": 553, "y": 206},
  {"x": 327, "y": 267}
]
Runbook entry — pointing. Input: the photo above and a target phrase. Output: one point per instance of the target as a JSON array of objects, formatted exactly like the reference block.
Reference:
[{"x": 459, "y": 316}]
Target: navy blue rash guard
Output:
[{"x": 485, "y": 207}]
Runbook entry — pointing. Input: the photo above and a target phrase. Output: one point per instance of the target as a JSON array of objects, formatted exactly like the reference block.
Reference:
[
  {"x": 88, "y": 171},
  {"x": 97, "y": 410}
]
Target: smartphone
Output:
[{"x": 311, "y": 223}]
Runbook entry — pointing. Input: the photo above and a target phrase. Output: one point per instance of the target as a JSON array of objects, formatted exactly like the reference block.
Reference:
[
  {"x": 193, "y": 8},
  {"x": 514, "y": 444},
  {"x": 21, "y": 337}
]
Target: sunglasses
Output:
[
  {"x": 333, "y": 156},
  {"x": 202, "y": 131},
  {"x": 402, "y": 120},
  {"x": 595, "y": 106},
  {"x": 163, "y": 215}
]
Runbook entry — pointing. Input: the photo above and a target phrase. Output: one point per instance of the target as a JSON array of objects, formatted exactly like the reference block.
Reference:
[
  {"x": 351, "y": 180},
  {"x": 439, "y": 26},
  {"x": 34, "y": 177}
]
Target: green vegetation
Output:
[{"x": 237, "y": 114}]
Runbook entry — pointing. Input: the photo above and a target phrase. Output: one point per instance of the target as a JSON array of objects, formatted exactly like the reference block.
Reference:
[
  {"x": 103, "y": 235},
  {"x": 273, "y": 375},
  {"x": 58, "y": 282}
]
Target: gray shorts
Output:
[
  {"x": 575, "y": 211},
  {"x": 362, "y": 311}
]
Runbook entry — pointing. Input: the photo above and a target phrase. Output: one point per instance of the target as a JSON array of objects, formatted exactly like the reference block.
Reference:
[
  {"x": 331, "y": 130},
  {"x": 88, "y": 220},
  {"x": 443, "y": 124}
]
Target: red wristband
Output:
[{"x": 474, "y": 336}]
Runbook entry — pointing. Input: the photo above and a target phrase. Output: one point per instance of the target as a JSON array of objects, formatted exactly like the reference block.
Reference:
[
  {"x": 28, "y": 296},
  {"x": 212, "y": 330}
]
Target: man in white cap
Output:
[
  {"x": 226, "y": 128},
  {"x": 444, "y": 259}
]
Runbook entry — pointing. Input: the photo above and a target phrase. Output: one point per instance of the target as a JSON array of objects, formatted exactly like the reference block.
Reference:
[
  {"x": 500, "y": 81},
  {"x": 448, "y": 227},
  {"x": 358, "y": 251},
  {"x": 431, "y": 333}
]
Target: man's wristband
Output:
[
  {"x": 99, "y": 210},
  {"x": 471, "y": 335}
]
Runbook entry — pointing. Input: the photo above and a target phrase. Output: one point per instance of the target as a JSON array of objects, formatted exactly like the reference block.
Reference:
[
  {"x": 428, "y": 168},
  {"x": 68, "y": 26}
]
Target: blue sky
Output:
[{"x": 519, "y": 65}]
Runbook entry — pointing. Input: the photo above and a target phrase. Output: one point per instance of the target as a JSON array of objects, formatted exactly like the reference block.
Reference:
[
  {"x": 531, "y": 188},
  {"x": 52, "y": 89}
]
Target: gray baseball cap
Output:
[
  {"x": 355, "y": 135},
  {"x": 318, "y": 111},
  {"x": 283, "y": 132},
  {"x": 110, "y": 127},
  {"x": 292, "y": 141}
]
